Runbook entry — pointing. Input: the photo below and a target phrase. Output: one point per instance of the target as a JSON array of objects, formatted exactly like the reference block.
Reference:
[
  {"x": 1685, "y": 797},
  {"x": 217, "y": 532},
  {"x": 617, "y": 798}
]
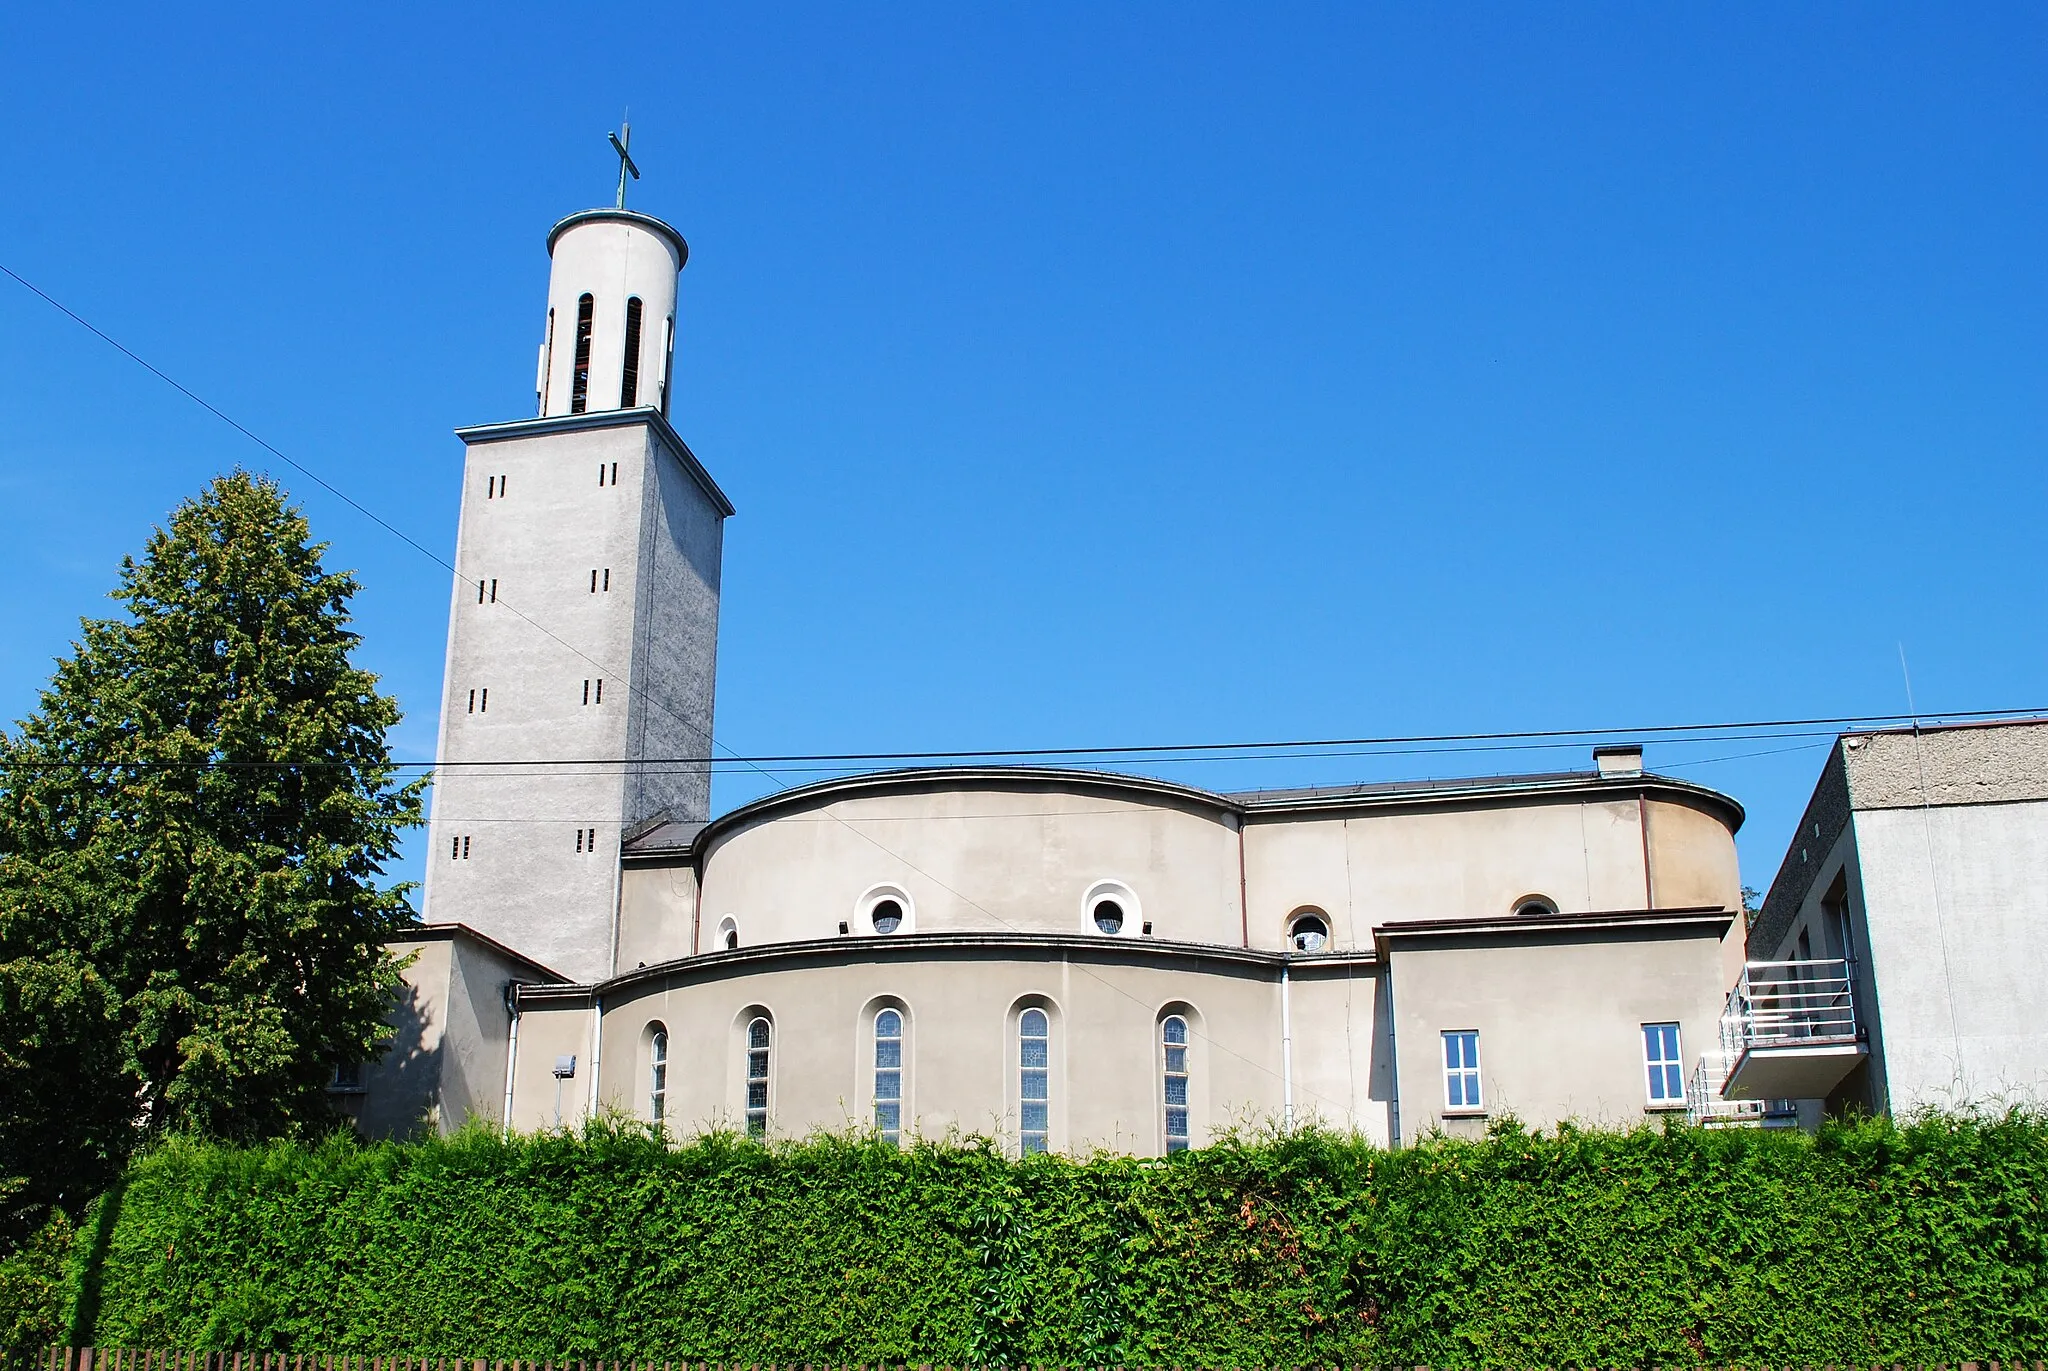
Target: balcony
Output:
[{"x": 1789, "y": 1031}]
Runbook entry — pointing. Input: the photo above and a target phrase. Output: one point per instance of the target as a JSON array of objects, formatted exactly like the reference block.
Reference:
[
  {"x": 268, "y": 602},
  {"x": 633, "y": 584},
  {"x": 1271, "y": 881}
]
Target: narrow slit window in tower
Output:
[
  {"x": 629, "y": 387},
  {"x": 579, "y": 382}
]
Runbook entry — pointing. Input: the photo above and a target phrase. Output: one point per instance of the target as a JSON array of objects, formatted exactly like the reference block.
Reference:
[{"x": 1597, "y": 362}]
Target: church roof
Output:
[{"x": 668, "y": 838}]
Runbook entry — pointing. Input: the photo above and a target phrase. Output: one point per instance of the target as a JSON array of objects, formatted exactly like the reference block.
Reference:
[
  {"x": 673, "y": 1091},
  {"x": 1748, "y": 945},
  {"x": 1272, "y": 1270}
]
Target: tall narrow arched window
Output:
[
  {"x": 1034, "y": 1080},
  {"x": 668, "y": 362},
  {"x": 629, "y": 387},
  {"x": 1173, "y": 1035},
  {"x": 889, "y": 1075},
  {"x": 547, "y": 362},
  {"x": 657, "y": 1074},
  {"x": 759, "y": 1036},
  {"x": 579, "y": 381}
]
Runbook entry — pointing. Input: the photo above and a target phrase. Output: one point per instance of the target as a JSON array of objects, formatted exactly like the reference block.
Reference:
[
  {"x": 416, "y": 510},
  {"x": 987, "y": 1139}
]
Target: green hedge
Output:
[{"x": 1869, "y": 1243}]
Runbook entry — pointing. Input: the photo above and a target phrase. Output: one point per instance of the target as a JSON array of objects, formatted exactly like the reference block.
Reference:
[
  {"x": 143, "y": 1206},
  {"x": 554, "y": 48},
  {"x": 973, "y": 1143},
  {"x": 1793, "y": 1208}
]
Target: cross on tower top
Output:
[{"x": 622, "y": 140}]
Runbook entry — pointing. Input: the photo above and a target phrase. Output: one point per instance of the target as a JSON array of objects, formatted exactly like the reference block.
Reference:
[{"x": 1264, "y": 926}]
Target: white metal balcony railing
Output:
[
  {"x": 1788, "y": 1032},
  {"x": 1704, "y": 1102},
  {"x": 1780, "y": 1003}
]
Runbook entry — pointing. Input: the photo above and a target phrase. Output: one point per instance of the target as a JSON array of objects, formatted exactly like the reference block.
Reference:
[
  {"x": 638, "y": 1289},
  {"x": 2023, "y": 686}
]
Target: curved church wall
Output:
[
  {"x": 960, "y": 859},
  {"x": 960, "y": 1048}
]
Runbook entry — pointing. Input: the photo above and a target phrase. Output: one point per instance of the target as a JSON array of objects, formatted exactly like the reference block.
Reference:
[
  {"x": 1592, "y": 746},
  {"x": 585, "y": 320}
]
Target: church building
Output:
[{"x": 1061, "y": 959}]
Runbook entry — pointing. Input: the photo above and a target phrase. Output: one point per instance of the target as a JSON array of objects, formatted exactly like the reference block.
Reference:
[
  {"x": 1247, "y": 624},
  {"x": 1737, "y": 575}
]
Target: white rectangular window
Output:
[
  {"x": 1461, "y": 1069},
  {"x": 1665, "y": 1067}
]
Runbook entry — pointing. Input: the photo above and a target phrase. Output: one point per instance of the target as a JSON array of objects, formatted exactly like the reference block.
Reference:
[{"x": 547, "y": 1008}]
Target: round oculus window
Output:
[
  {"x": 1535, "y": 905},
  {"x": 1308, "y": 934},
  {"x": 887, "y": 916},
  {"x": 1109, "y": 916}
]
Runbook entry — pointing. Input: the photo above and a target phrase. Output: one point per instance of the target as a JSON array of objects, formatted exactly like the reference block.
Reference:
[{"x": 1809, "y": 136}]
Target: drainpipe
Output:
[
  {"x": 1286, "y": 1051},
  {"x": 697, "y": 908},
  {"x": 596, "y": 1048},
  {"x": 511, "y": 1049},
  {"x": 1393, "y": 1057},
  {"x": 1643, "y": 823},
  {"x": 1244, "y": 907}
]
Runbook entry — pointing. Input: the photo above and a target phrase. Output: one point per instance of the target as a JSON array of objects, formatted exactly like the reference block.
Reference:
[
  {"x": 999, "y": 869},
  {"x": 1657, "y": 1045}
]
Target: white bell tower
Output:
[{"x": 583, "y": 630}]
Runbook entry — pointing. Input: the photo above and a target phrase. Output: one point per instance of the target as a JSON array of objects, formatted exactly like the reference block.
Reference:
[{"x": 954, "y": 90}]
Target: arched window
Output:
[
  {"x": 1173, "y": 1036},
  {"x": 1034, "y": 1094},
  {"x": 759, "y": 1036},
  {"x": 579, "y": 380},
  {"x": 728, "y": 934},
  {"x": 889, "y": 1075},
  {"x": 629, "y": 387},
  {"x": 657, "y": 1074},
  {"x": 668, "y": 361},
  {"x": 547, "y": 361},
  {"x": 1308, "y": 932}
]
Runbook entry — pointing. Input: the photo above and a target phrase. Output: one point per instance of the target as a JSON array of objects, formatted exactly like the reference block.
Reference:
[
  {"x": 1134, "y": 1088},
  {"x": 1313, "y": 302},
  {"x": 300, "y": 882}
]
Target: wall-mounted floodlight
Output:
[{"x": 565, "y": 1067}]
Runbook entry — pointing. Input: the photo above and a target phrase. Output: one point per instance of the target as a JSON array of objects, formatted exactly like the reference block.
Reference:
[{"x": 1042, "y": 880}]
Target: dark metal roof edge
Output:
[
  {"x": 1583, "y": 783},
  {"x": 911, "y": 778},
  {"x": 542, "y": 425},
  {"x": 1242, "y": 807},
  {"x": 447, "y": 932},
  {"x": 628, "y": 216},
  {"x": 1556, "y": 923},
  {"x": 911, "y": 945}
]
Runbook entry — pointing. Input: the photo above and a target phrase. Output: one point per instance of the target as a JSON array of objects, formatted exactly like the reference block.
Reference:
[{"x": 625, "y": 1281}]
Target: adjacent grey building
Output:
[{"x": 1900, "y": 951}]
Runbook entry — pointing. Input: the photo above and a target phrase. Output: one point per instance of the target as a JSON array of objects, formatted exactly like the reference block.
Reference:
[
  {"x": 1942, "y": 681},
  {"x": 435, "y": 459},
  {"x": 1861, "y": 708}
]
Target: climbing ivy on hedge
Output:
[{"x": 1868, "y": 1243}]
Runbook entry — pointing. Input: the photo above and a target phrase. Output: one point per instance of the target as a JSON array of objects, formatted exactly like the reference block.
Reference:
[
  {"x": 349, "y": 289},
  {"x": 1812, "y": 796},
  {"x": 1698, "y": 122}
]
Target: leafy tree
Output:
[{"x": 192, "y": 826}]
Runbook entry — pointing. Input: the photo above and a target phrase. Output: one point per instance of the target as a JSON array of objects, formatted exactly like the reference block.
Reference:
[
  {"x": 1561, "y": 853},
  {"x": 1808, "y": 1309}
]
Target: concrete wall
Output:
[
  {"x": 1018, "y": 858},
  {"x": 548, "y": 1029},
  {"x": 960, "y": 1008},
  {"x": 1692, "y": 858},
  {"x": 474, "y": 1048},
  {"x": 657, "y": 909},
  {"x": 1024, "y": 855},
  {"x": 401, "y": 1094},
  {"x": 1476, "y": 861},
  {"x": 1957, "y": 902},
  {"x": 540, "y": 648},
  {"x": 1342, "y": 1031},
  {"x": 1559, "y": 1016}
]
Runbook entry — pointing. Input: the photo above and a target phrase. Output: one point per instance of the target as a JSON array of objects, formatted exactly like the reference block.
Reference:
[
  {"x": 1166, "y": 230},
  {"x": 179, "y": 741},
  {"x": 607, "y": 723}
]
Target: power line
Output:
[
  {"x": 645, "y": 691},
  {"x": 1395, "y": 745}
]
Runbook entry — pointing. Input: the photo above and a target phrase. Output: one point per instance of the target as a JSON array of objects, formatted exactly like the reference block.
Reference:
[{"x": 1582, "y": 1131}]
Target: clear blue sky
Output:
[{"x": 1109, "y": 374}]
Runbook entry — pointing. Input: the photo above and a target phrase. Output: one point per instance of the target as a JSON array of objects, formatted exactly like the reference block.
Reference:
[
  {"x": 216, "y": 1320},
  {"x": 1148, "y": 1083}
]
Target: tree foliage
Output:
[
  {"x": 1871, "y": 1243},
  {"x": 192, "y": 825}
]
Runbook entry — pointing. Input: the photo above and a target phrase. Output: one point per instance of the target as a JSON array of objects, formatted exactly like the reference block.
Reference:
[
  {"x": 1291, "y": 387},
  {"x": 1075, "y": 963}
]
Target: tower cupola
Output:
[{"x": 611, "y": 324}]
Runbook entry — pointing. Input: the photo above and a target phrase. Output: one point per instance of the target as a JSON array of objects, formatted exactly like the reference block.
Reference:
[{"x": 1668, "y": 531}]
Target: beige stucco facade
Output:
[{"x": 1626, "y": 884}]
